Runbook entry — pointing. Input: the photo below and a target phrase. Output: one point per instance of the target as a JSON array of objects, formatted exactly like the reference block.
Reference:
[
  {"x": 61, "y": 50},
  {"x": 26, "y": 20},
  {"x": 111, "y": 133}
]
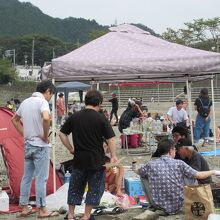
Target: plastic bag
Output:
[{"x": 123, "y": 201}]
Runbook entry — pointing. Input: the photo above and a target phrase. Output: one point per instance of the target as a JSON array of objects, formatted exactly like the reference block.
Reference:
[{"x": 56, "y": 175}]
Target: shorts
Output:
[{"x": 77, "y": 184}]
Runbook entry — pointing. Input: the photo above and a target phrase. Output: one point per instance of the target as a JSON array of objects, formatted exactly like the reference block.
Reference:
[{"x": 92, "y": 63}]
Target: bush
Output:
[{"x": 7, "y": 72}]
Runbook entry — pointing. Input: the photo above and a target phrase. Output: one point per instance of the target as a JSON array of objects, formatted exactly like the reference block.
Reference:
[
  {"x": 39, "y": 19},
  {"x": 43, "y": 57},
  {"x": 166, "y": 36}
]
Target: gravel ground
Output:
[{"x": 63, "y": 155}]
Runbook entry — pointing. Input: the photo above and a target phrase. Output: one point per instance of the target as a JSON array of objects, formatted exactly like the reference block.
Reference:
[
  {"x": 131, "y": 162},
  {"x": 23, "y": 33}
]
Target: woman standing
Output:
[
  {"x": 60, "y": 108},
  {"x": 203, "y": 105}
]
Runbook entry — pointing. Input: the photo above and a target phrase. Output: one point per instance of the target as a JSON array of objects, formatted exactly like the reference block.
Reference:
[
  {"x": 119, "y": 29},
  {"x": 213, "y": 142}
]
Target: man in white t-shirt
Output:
[
  {"x": 177, "y": 115},
  {"x": 35, "y": 115}
]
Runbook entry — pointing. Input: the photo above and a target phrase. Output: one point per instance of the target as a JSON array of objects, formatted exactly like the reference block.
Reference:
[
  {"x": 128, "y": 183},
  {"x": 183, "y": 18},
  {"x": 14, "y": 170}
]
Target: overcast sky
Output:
[{"x": 156, "y": 14}]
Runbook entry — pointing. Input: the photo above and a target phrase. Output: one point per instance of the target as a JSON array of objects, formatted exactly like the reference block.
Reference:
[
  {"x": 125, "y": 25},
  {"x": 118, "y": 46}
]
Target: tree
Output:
[
  {"x": 7, "y": 72},
  {"x": 201, "y": 33}
]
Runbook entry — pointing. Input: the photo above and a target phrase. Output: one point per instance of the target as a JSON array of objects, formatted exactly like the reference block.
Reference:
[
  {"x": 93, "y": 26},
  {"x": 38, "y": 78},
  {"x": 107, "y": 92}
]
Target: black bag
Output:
[{"x": 204, "y": 109}]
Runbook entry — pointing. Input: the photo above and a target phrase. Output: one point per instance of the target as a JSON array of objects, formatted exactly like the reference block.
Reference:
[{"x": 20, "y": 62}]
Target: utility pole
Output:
[
  {"x": 53, "y": 53},
  {"x": 32, "y": 57}
]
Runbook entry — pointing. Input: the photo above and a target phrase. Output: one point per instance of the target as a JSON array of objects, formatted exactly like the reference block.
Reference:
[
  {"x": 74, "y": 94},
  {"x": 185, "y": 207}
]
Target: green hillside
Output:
[{"x": 18, "y": 18}]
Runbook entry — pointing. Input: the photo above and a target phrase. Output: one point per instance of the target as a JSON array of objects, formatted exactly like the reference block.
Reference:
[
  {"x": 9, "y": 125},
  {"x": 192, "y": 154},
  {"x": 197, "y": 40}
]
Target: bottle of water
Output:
[{"x": 67, "y": 176}]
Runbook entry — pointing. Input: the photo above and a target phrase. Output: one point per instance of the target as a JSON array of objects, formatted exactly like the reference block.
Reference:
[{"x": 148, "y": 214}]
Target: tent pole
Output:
[
  {"x": 53, "y": 141},
  {"x": 173, "y": 94},
  {"x": 158, "y": 96},
  {"x": 188, "y": 86},
  {"x": 213, "y": 113},
  {"x": 97, "y": 86},
  {"x": 119, "y": 97}
]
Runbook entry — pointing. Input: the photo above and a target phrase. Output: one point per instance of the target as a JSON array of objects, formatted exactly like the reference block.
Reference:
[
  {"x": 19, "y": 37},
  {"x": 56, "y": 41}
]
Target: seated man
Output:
[
  {"x": 178, "y": 132},
  {"x": 114, "y": 177},
  {"x": 177, "y": 115},
  {"x": 194, "y": 159},
  {"x": 163, "y": 179}
]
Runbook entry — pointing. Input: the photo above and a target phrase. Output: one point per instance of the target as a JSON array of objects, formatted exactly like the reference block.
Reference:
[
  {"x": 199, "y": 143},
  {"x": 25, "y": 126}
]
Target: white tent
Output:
[{"x": 129, "y": 53}]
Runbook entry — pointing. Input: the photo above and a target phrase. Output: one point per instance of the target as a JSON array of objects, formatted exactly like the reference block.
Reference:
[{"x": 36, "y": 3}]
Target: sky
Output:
[{"x": 155, "y": 14}]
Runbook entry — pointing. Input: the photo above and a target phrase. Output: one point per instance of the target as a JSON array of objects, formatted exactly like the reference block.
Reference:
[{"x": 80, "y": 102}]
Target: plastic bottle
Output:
[{"x": 67, "y": 176}]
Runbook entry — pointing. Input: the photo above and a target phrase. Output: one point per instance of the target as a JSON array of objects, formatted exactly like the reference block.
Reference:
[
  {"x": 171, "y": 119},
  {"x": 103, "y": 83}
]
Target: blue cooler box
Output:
[{"x": 133, "y": 186}]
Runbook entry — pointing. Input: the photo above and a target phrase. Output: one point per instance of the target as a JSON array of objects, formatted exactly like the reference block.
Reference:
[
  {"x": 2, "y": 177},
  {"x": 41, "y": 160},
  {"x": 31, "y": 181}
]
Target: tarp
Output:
[
  {"x": 13, "y": 149},
  {"x": 127, "y": 52},
  {"x": 72, "y": 87}
]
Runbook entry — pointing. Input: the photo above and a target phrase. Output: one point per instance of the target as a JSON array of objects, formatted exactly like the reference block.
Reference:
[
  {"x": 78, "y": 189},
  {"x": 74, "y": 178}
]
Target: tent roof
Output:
[
  {"x": 72, "y": 86},
  {"x": 127, "y": 52}
]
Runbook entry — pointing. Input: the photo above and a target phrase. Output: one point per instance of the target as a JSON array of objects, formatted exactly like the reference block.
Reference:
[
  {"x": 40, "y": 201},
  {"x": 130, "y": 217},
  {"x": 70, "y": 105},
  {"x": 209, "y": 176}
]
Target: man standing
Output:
[
  {"x": 163, "y": 179},
  {"x": 114, "y": 101},
  {"x": 88, "y": 128},
  {"x": 35, "y": 115},
  {"x": 177, "y": 115}
]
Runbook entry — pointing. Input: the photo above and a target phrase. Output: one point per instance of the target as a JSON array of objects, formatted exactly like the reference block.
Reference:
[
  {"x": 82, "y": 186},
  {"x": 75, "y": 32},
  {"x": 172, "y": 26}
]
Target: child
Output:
[{"x": 114, "y": 176}]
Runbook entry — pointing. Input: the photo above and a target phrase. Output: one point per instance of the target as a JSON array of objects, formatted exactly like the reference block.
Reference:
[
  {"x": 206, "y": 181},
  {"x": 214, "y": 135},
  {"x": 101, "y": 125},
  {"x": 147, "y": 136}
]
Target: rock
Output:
[{"x": 147, "y": 215}]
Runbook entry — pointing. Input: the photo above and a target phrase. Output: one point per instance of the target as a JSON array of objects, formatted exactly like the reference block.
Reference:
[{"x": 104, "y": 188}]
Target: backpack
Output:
[{"x": 204, "y": 109}]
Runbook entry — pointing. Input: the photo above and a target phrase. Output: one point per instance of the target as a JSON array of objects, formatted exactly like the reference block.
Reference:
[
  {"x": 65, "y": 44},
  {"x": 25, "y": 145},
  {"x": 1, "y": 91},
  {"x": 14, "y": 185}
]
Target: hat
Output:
[
  {"x": 179, "y": 101},
  {"x": 131, "y": 102},
  {"x": 183, "y": 142}
]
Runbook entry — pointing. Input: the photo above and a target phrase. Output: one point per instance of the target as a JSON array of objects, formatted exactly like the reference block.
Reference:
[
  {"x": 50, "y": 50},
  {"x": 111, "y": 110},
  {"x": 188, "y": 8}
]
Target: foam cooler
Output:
[{"x": 133, "y": 186}]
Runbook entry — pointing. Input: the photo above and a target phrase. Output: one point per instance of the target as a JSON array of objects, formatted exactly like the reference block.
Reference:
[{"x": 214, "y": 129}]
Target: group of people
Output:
[
  {"x": 178, "y": 116},
  {"x": 88, "y": 128},
  {"x": 13, "y": 104},
  {"x": 163, "y": 178}
]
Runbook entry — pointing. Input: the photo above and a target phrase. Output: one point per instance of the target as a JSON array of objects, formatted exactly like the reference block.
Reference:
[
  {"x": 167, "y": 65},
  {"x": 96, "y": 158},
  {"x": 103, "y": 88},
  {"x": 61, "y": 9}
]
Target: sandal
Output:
[
  {"x": 26, "y": 213},
  {"x": 51, "y": 214}
]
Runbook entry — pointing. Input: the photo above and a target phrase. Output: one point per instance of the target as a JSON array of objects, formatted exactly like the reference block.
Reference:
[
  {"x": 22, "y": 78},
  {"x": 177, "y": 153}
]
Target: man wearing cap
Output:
[
  {"x": 163, "y": 179},
  {"x": 114, "y": 101},
  {"x": 177, "y": 115},
  {"x": 193, "y": 159}
]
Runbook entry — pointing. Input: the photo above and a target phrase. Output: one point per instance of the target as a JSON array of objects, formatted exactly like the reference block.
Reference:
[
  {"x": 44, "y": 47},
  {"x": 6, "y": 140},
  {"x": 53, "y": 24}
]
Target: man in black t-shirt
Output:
[
  {"x": 193, "y": 159},
  {"x": 88, "y": 128},
  {"x": 114, "y": 101}
]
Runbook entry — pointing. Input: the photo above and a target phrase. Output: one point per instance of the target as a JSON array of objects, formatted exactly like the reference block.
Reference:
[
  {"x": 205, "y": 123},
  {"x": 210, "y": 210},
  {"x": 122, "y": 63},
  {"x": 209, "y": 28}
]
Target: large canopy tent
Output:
[
  {"x": 72, "y": 87},
  {"x": 129, "y": 53}
]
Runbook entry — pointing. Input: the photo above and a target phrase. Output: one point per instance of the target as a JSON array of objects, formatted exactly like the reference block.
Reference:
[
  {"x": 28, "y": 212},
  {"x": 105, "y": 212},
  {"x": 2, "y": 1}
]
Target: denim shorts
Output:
[{"x": 77, "y": 184}]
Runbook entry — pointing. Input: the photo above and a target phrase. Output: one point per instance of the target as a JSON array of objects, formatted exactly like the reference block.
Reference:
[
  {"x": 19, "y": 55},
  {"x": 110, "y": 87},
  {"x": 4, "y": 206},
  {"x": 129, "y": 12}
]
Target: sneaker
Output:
[{"x": 205, "y": 143}]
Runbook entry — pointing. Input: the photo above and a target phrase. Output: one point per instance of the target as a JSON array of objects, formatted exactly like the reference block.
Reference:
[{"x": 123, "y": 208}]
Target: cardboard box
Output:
[
  {"x": 133, "y": 186},
  {"x": 4, "y": 202}
]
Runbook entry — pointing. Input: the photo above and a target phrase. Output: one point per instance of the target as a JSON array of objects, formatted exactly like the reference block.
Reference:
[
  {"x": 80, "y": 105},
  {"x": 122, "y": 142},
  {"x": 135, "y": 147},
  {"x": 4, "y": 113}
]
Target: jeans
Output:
[
  {"x": 36, "y": 164},
  {"x": 200, "y": 125}
]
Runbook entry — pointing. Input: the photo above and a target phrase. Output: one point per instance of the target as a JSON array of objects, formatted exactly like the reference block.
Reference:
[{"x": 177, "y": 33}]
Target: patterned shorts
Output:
[{"x": 77, "y": 184}]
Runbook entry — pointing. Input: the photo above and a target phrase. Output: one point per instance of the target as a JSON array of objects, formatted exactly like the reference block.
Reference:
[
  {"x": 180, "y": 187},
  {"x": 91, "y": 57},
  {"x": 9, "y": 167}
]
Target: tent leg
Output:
[
  {"x": 53, "y": 141},
  {"x": 119, "y": 97},
  {"x": 213, "y": 113},
  {"x": 158, "y": 97},
  {"x": 173, "y": 94},
  {"x": 188, "y": 86},
  {"x": 97, "y": 86}
]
